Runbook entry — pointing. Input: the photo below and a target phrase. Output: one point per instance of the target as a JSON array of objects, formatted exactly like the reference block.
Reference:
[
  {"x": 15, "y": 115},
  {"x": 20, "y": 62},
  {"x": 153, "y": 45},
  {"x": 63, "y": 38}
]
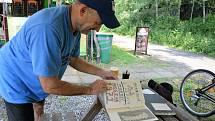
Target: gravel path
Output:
[
  {"x": 3, "y": 115},
  {"x": 64, "y": 105}
]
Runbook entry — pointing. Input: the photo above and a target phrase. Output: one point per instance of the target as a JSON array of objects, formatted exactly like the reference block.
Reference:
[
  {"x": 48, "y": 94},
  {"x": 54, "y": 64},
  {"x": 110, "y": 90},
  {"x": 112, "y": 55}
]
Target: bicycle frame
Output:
[{"x": 201, "y": 92}]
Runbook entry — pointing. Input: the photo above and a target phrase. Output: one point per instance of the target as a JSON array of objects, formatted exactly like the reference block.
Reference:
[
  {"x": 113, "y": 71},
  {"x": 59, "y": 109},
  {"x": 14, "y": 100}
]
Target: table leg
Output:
[{"x": 94, "y": 110}]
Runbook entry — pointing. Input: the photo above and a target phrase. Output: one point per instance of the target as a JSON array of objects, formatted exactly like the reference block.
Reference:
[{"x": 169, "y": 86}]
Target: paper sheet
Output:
[
  {"x": 160, "y": 106},
  {"x": 147, "y": 91}
]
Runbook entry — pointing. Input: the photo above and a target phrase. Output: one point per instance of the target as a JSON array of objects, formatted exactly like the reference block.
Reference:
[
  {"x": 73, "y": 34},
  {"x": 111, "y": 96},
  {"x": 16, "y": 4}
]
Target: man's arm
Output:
[
  {"x": 52, "y": 85},
  {"x": 83, "y": 66}
]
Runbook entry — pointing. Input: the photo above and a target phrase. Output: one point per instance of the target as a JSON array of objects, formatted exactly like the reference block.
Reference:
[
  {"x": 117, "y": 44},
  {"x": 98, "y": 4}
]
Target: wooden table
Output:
[{"x": 181, "y": 115}]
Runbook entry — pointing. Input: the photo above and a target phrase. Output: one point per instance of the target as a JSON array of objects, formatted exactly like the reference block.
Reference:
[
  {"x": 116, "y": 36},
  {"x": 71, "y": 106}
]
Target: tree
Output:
[
  {"x": 156, "y": 7},
  {"x": 191, "y": 14},
  {"x": 179, "y": 8},
  {"x": 203, "y": 10}
]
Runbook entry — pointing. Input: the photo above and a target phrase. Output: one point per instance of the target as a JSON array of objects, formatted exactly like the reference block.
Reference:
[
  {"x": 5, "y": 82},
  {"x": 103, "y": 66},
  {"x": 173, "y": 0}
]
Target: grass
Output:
[
  {"x": 176, "y": 94},
  {"x": 123, "y": 58}
]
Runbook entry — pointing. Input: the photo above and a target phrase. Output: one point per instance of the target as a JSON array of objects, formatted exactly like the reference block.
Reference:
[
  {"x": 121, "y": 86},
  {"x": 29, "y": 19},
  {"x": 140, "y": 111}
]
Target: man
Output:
[{"x": 33, "y": 62}]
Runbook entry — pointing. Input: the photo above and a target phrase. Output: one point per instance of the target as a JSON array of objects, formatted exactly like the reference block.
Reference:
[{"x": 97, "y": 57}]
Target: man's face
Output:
[{"x": 89, "y": 21}]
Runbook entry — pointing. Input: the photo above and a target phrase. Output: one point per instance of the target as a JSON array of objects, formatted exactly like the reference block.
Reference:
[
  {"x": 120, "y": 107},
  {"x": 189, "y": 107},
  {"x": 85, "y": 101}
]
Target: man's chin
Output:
[{"x": 85, "y": 32}]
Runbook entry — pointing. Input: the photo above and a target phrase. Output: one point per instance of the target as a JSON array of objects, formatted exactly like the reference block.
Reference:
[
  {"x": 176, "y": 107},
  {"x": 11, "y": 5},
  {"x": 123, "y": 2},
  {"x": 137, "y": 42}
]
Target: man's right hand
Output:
[{"x": 97, "y": 87}]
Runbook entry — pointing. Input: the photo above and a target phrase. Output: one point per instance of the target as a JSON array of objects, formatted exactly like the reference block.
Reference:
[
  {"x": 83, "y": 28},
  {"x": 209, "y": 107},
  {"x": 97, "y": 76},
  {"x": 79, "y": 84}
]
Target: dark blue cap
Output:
[{"x": 106, "y": 11}]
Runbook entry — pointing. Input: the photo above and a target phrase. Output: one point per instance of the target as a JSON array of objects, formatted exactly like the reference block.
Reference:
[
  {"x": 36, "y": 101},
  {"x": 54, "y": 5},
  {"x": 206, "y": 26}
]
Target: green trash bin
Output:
[
  {"x": 2, "y": 42},
  {"x": 46, "y": 4},
  {"x": 105, "y": 43}
]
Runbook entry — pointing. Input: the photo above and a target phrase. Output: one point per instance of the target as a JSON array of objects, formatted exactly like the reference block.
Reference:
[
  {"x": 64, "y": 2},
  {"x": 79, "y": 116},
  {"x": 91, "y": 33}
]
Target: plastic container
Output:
[{"x": 105, "y": 43}]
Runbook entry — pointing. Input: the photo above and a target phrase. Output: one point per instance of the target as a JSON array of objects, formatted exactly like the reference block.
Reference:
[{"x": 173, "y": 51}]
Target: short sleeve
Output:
[
  {"x": 45, "y": 50},
  {"x": 76, "y": 50}
]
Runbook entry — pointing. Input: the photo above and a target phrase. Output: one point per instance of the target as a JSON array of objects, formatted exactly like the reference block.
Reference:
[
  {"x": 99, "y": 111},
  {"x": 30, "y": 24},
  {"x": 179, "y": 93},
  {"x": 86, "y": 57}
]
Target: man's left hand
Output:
[{"x": 108, "y": 75}]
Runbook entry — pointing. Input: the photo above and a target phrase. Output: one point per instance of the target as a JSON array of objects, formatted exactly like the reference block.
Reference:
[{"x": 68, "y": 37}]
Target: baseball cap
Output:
[{"x": 106, "y": 11}]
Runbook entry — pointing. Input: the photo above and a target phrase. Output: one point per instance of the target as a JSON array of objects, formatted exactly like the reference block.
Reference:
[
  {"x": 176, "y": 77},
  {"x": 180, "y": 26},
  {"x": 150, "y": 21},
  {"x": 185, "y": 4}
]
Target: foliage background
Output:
[{"x": 165, "y": 24}]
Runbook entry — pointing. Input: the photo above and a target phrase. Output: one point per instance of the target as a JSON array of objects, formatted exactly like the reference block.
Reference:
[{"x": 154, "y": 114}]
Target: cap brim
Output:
[{"x": 110, "y": 21}]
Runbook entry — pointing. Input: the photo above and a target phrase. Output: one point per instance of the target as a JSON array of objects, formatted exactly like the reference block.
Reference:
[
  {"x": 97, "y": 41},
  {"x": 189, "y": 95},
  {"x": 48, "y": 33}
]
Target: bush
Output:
[{"x": 194, "y": 36}]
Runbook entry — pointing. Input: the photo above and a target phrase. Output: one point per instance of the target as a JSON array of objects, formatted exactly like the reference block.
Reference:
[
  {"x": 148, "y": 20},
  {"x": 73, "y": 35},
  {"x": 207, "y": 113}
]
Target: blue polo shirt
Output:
[{"x": 42, "y": 47}]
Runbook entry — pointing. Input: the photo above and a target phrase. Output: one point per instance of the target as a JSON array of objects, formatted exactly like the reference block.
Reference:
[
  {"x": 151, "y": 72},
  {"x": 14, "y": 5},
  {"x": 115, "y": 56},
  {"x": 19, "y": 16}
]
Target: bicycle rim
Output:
[{"x": 193, "y": 102}]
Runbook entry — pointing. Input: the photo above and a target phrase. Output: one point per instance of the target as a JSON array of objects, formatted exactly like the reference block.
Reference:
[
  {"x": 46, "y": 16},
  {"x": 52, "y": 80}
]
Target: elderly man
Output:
[{"x": 33, "y": 62}]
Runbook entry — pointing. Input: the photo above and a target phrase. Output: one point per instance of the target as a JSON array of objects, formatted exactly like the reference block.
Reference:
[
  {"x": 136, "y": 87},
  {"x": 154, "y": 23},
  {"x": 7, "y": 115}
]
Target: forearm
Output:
[
  {"x": 86, "y": 67},
  {"x": 59, "y": 87},
  {"x": 67, "y": 89}
]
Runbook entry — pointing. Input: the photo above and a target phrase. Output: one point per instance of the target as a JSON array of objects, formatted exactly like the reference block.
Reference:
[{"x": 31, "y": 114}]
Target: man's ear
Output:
[{"x": 83, "y": 10}]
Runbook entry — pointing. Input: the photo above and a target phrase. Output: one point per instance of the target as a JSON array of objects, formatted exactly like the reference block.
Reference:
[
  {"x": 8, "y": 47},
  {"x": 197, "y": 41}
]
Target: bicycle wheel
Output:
[{"x": 196, "y": 95}]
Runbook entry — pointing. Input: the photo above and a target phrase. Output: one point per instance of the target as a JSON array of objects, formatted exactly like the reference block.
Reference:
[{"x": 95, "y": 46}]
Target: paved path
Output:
[{"x": 173, "y": 56}]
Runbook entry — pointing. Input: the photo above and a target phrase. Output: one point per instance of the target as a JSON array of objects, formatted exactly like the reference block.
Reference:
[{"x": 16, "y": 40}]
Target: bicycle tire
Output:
[{"x": 183, "y": 98}]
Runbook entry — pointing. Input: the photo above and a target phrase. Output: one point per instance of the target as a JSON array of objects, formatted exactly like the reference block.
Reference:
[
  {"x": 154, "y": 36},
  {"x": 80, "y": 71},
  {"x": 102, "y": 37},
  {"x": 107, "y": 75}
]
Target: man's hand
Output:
[
  {"x": 97, "y": 87},
  {"x": 108, "y": 75},
  {"x": 83, "y": 66}
]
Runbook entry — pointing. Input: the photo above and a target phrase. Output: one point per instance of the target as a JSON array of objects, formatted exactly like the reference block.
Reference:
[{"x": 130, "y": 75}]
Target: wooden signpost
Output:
[{"x": 141, "y": 42}]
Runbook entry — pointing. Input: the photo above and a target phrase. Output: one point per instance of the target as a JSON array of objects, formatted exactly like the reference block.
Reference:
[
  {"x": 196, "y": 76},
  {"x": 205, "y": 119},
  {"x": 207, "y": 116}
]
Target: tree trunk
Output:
[
  {"x": 179, "y": 9},
  {"x": 203, "y": 11},
  {"x": 167, "y": 8},
  {"x": 156, "y": 7},
  {"x": 191, "y": 15}
]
